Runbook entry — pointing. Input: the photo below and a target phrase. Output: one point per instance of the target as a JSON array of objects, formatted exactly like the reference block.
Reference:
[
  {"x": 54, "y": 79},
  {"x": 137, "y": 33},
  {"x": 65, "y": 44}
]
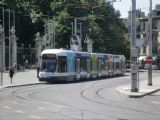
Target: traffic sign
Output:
[{"x": 149, "y": 60}]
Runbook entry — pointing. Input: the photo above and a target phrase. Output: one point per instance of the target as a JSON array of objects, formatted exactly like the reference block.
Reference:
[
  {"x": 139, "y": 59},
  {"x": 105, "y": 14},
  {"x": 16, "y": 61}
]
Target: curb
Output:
[
  {"x": 126, "y": 91},
  {"x": 11, "y": 86},
  {"x": 1, "y": 89}
]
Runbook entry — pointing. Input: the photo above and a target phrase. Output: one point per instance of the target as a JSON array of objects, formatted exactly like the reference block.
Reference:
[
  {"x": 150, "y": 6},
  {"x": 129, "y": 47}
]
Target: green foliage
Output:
[{"x": 99, "y": 20}]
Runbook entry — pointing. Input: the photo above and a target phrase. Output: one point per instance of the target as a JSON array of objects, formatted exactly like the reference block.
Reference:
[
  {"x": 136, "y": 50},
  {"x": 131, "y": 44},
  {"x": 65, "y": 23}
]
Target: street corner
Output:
[
  {"x": 126, "y": 90},
  {"x": 1, "y": 88}
]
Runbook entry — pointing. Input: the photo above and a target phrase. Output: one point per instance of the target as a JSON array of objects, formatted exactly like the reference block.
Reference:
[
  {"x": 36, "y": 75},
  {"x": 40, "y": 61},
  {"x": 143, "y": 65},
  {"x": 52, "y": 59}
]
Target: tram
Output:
[{"x": 67, "y": 65}]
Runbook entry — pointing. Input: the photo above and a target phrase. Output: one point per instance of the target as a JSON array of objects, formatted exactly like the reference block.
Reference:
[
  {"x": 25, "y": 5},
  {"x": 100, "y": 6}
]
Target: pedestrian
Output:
[
  {"x": 38, "y": 71},
  {"x": 14, "y": 66},
  {"x": 26, "y": 63},
  {"x": 11, "y": 73}
]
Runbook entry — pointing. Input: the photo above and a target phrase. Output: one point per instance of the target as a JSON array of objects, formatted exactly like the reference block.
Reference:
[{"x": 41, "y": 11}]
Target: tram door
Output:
[
  {"x": 107, "y": 67},
  {"x": 120, "y": 67},
  {"x": 99, "y": 68},
  {"x": 88, "y": 68},
  {"x": 110, "y": 65},
  {"x": 117, "y": 66},
  {"x": 78, "y": 69},
  {"x": 123, "y": 65}
]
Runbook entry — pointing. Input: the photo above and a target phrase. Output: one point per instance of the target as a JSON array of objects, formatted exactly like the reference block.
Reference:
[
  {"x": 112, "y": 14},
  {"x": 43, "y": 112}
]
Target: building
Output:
[
  {"x": 144, "y": 33},
  {"x": 139, "y": 15}
]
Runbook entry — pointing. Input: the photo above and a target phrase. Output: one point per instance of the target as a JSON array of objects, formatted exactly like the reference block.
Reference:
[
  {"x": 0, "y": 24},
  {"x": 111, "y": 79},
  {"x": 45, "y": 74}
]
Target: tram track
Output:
[
  {"x": 28, "y": 95},
  {"x": 31, "y": 97},
  {"x": 122, "y": 105}
]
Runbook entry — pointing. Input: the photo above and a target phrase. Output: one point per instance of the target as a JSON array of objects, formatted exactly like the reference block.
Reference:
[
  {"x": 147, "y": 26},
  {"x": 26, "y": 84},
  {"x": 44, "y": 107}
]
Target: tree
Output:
[{"x": 98, "y": 17}]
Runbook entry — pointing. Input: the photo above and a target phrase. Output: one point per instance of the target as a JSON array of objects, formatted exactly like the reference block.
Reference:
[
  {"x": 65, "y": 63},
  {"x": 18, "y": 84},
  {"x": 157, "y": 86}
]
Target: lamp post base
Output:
[{"x": 134, "y": 90}]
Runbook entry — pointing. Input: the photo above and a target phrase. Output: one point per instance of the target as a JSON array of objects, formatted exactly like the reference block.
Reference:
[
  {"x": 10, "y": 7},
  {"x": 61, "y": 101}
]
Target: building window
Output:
[{"x": 144, "y": 49}]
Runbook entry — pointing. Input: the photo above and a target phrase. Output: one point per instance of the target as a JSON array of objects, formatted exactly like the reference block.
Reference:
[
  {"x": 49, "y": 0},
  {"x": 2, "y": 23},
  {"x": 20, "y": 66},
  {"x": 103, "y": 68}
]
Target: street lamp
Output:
[
  {"x": 2, "y": 44},
  {"x": 134, "y": 51},
  {"x": 150, "y": 46}
]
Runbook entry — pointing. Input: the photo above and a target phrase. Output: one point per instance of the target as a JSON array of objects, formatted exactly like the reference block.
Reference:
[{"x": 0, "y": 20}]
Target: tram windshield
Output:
[{"x": 49, "y": 63}]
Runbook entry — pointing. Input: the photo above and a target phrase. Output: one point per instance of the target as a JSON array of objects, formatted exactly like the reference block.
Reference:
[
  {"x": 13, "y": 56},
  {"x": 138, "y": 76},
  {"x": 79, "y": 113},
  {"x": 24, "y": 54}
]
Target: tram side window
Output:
[
  {"x": 123, "y": 64},
  {"x": 83, "y": 64},
  {"x": 117, "y": 65},
  {"x": 99, "y": 65},
  {"x": 77, "y": 65},
  {"x": 110, "y": 65},
  {"x": 104, "y": 64},
  {"x": 120, "y": 65},
  {"x": 88, "y": 65},
  {"x": 62, "y": 64}
]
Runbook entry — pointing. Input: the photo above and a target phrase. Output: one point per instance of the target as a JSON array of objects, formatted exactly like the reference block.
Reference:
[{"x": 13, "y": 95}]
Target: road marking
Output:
[
  {"x": 55, "y": 105},
  {"x": 19, "y": 111},
  {"x": 6, "y": 107},
  {"x": 47, "y": 103},
  {"x": 60, "y": 106},
  {"x": 40, "y": 108},
  {"x": 36, "y": 117},
  {"x": 155, "y": 102},
  {"x": 15, "y": 102}
]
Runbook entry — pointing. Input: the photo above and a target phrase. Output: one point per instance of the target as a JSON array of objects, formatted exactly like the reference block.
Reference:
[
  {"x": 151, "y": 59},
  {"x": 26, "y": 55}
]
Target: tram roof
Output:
[
  {"x": 55, "y": 51},
  {"x": 83, "y": 54},
  {"x": 102, "y": 56},
  {"x": 116, "y": 56}
]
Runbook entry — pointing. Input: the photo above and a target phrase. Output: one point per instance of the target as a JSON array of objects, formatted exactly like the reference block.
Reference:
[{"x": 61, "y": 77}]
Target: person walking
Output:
[
  {"x": 11, "y": 73},
  {"x": 38, "y": 69}
]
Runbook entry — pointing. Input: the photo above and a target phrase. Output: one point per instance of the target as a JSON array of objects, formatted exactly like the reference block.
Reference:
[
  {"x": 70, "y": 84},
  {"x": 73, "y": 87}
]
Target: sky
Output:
[{"x": 125, "y": 5}]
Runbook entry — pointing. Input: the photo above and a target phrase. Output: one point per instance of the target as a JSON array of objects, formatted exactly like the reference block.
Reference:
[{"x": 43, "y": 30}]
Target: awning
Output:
[
  {"x": 142, "y": 58},
  {"x": 155, "y": 58}
]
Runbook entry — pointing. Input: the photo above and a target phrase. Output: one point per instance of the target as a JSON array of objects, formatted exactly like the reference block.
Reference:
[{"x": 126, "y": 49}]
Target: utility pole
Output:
[
  {"x": 54, "y": 34},
  {"x": 80, "y": 35},
  {"x": 75, "y": 26},
  {"x": 150, "y": 45},
  {"x": 72, "y": 28},
  {"x": 134, "y": 51},
  {"x": 3, "y": 50},
  {"x": 80, "y": 31},
  {"x": 1, "y": 46},
  {"x": 9, "y": 17}
]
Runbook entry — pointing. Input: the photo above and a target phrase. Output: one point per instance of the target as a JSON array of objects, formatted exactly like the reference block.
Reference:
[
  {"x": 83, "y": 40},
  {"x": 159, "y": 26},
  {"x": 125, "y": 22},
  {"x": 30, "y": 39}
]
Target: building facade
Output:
[{"x": 144, "y": 33}]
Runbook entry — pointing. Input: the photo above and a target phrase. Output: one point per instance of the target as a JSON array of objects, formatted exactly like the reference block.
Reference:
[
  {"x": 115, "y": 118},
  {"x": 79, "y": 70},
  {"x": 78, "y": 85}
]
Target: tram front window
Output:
[
  {"x": 48, "y": 66},
  {"x": 49, "y": 63}
]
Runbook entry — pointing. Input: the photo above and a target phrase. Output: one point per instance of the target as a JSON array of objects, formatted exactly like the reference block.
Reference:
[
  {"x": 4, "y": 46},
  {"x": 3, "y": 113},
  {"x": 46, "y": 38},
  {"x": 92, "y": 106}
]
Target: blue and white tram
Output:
[
  {"x": 57, "y": 64},
  {"x": 67, "y": 65}
]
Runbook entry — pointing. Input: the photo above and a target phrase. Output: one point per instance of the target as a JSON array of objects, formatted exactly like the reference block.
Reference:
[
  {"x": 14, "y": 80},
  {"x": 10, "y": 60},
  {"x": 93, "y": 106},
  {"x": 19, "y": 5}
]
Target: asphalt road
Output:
[{"x": 96, "y": 99}]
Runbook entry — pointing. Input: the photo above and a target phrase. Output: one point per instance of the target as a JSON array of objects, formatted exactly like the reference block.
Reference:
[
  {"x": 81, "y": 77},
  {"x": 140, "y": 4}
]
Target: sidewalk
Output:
[
  {"x": 29, "y": 77},
  {"x": 20, "y": 78},
  {"x": 144, "y": 89}
]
